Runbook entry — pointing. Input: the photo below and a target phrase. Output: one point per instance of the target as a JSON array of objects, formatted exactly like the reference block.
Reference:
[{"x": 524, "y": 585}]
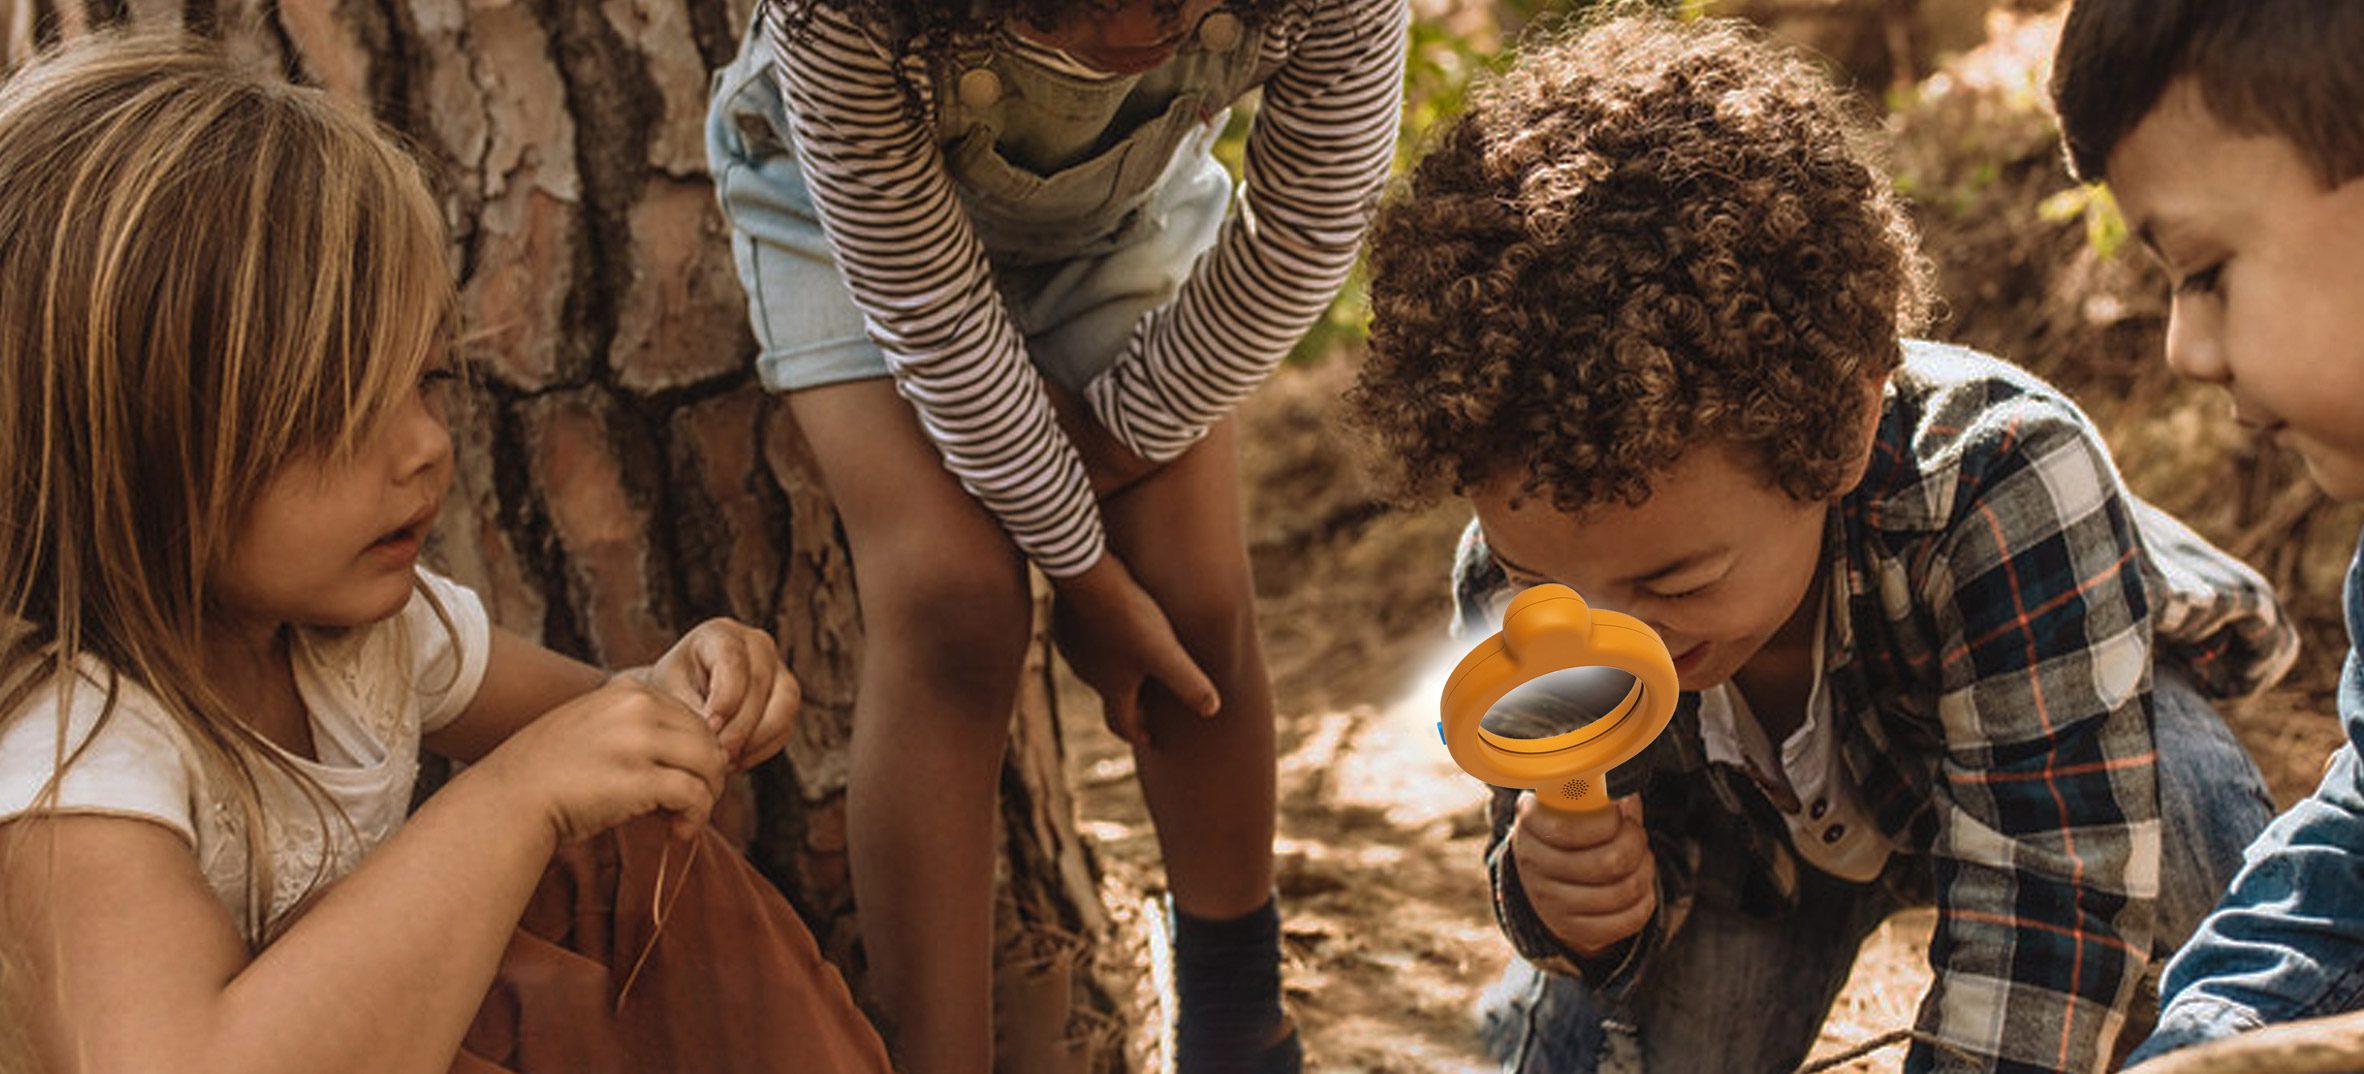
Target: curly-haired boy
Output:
[
  {"x": 1644, "y": 305},
  {"x": 2232, "y": 133}
]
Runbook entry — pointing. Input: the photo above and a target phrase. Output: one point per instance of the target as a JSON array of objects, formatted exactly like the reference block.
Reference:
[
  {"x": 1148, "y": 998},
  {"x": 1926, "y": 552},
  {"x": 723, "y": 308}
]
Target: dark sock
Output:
[{"x": 1227, "y": 978}]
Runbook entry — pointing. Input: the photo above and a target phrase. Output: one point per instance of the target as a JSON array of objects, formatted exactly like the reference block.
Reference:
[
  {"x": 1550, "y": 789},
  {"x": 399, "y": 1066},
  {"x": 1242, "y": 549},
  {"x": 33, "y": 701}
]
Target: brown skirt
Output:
[{"x": 732, "y": 983}]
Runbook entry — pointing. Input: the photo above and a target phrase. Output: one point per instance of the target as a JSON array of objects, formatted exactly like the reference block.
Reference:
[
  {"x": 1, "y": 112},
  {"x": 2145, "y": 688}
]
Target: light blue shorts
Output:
[{"x": 1076, "y": 313}]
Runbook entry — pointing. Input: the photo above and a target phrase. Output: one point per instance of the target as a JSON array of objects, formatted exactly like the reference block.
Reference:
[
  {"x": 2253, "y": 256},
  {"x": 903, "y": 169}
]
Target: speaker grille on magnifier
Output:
[{"x": 1574, "y": 788}]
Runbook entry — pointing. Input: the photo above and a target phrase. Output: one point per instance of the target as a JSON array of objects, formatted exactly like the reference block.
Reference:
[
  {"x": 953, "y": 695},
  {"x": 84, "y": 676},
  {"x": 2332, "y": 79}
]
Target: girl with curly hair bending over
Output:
[
  {"x": 1646, "y": 305},
  {"x": 1013, "y": 300}
]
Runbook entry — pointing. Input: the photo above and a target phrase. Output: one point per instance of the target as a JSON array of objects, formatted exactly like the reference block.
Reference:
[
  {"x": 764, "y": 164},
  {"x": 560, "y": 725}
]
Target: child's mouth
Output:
[
  {"x": 404, "y": 541},
  {"x": 399, "y": 548}
]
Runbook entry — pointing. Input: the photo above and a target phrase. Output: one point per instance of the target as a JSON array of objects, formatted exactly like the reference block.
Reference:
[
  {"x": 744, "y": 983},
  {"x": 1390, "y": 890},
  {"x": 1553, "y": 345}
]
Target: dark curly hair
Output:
[{"x": 1646, "y": 235}]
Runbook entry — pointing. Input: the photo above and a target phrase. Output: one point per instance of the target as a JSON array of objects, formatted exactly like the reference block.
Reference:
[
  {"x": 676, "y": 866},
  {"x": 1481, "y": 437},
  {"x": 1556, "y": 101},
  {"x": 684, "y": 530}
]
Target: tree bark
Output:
[{"x": 621, "y": 475}]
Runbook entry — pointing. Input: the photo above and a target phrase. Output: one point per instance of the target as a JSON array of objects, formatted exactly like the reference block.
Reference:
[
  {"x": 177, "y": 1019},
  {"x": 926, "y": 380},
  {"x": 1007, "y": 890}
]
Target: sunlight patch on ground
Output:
[
  {"x": 1397, "y": 766},
  {"x": 1884, "y": 992}
]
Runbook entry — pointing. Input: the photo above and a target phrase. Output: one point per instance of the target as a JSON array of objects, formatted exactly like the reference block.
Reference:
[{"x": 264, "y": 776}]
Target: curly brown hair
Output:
[{"x": 1645, "y": 235}]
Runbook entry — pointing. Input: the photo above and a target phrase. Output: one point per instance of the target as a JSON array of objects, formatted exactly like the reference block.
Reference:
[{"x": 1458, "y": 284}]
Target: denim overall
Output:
[{"x": 1093, "y": 198}]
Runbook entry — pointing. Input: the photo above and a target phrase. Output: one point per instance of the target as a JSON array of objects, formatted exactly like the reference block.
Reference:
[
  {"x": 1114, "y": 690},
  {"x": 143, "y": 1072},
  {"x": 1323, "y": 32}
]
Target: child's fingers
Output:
[
  {"x": 1120, "y": 708},
  {"x": 1567, "y": 898},
  {"x": 677, "y": 677},
  {"x": 740, "y": 720},
  {"x": 1611, "y": 863},
  {"x": 1592, "y": 934},
  {"x": 676, "y": 740},
  {"x": 683, "y": 792},
  {"x": 724, "y": 658},
  {"x": 777, "y": 723},
  {"x": 1170, "y": 664},
  {"x": 1567, "y": 830}
]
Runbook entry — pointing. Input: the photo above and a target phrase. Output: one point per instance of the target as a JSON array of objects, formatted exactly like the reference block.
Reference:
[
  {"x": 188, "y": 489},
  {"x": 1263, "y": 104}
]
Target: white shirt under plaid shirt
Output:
[{"x": 2005, "y": 600}]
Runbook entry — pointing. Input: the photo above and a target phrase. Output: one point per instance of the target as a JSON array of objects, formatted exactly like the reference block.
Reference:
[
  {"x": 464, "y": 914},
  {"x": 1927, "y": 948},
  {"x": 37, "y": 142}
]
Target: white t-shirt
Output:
[{"x": 371, "y": 692}]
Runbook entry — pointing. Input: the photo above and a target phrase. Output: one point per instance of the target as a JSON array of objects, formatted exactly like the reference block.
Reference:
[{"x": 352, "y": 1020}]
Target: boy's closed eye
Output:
[
  {"x": 2158, "y": 237},
  {"x": 2201, "y": 282},
  {"x": 1681, "y": 593},
  {"x": 1518, "y": 576},
  {"x": 1683, "y": 590}
]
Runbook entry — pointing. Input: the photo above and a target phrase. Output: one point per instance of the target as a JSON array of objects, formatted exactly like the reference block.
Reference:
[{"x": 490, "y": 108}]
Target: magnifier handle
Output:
[{"x": 1580, "y": 793}]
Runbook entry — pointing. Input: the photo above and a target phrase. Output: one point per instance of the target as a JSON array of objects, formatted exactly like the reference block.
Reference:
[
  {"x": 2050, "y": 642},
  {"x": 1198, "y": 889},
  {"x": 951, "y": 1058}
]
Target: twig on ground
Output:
[{"x": 1893, "y": 1036}]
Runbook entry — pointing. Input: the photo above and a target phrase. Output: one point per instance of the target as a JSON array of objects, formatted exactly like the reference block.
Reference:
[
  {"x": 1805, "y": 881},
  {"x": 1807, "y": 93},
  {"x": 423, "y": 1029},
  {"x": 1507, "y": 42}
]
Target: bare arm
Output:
[
  {"x": 521, "y": 682},
  {"x": 139, "y": 968},
  {"x": 142, "y": 970}
]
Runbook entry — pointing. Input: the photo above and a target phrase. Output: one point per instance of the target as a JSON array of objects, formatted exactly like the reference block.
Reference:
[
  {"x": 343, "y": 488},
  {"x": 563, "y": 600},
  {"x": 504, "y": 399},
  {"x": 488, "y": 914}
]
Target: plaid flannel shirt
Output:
[{"x": 2005, "y": 598}]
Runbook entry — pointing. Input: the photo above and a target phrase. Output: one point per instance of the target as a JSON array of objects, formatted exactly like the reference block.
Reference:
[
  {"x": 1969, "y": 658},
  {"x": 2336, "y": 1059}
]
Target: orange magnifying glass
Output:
[{"x": 1561, "y": 695}]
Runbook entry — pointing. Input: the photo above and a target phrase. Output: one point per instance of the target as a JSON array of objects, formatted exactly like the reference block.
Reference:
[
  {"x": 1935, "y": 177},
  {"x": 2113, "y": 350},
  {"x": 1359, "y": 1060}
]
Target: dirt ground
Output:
[{"x": 1389, "y": 937}]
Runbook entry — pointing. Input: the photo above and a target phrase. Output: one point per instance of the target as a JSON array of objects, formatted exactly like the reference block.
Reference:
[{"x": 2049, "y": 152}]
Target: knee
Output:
[
  {"x": 1530, "y": 1020},
  {"x": 2198, "y": 754},
  {"x": 1217, "y": 624},
  {"x": 2212, "y": 803},
  {"x": 955, "y": 625}
]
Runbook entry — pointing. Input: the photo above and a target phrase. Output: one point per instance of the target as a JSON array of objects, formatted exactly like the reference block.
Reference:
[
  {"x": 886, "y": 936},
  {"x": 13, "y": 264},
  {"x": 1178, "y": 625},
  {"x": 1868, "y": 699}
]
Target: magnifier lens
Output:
[{"x": 1563, "y": 701}]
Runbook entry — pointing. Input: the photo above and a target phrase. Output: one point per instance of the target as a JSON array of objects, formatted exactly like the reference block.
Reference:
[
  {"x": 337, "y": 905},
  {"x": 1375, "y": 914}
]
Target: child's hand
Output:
[
  {"x": 618, "y": 752},
  {"x": 1118, "y": 640},
  {"x": 732, "y": 675},
  {"x": 1590, "y": 876}
]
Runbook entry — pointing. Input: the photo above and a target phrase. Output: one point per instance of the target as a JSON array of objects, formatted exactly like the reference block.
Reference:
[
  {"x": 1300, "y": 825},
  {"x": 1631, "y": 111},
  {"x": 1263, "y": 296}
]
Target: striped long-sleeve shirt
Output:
[{"x": 1316, "y": 157}]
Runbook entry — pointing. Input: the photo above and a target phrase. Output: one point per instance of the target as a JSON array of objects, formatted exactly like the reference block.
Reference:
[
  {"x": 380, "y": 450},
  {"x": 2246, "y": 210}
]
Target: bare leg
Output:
[
  {"x": 945, "y": 613},
  {"x": 1209, "y": 781}
]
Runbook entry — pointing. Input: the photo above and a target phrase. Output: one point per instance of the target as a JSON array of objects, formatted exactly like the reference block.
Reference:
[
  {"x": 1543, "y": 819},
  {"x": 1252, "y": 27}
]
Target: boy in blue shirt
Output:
[
  {"x": 2232, "y": 134},
  {"x": 1646, "y": 305}
]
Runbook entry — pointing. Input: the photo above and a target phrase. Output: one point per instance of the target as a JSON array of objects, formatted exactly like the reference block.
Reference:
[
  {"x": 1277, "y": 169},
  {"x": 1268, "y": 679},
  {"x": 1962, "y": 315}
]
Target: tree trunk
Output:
[{"x": 621, "y": 475}]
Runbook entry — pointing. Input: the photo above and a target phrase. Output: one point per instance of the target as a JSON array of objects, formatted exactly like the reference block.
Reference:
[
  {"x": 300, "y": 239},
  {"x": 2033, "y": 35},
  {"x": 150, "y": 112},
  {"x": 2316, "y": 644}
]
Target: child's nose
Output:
[
  {"x": 425, "y": 445},
  {"x": 2195, "y": 350}
]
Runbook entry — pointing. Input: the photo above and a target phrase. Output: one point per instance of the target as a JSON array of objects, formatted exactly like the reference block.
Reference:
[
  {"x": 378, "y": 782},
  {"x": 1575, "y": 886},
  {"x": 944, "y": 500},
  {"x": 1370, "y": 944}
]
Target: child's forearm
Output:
[
  {"x": 387, "y": 971},
  {"x": 522, "y": 680}
]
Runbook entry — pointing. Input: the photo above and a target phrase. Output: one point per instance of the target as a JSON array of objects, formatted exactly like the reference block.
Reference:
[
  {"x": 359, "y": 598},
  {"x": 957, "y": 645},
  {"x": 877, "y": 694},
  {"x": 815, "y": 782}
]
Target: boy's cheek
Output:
[{"x": 2339, "y": 473}]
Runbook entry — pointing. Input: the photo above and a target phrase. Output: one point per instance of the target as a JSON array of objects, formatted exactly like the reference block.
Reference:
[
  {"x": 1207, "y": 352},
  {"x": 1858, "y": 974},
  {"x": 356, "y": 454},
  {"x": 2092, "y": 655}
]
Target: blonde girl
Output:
[{"x": 224, "y": 312}]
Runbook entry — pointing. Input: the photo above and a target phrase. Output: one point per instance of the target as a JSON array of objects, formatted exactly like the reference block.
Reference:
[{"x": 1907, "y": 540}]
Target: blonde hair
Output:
[{"x": 205, "y": 274}]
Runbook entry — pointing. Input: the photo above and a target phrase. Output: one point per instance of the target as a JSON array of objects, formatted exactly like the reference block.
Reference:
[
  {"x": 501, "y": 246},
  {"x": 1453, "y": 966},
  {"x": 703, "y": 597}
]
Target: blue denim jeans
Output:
[
  {"x": 1735, "y": 994},
  {"x": 2287, "y": 942}
]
